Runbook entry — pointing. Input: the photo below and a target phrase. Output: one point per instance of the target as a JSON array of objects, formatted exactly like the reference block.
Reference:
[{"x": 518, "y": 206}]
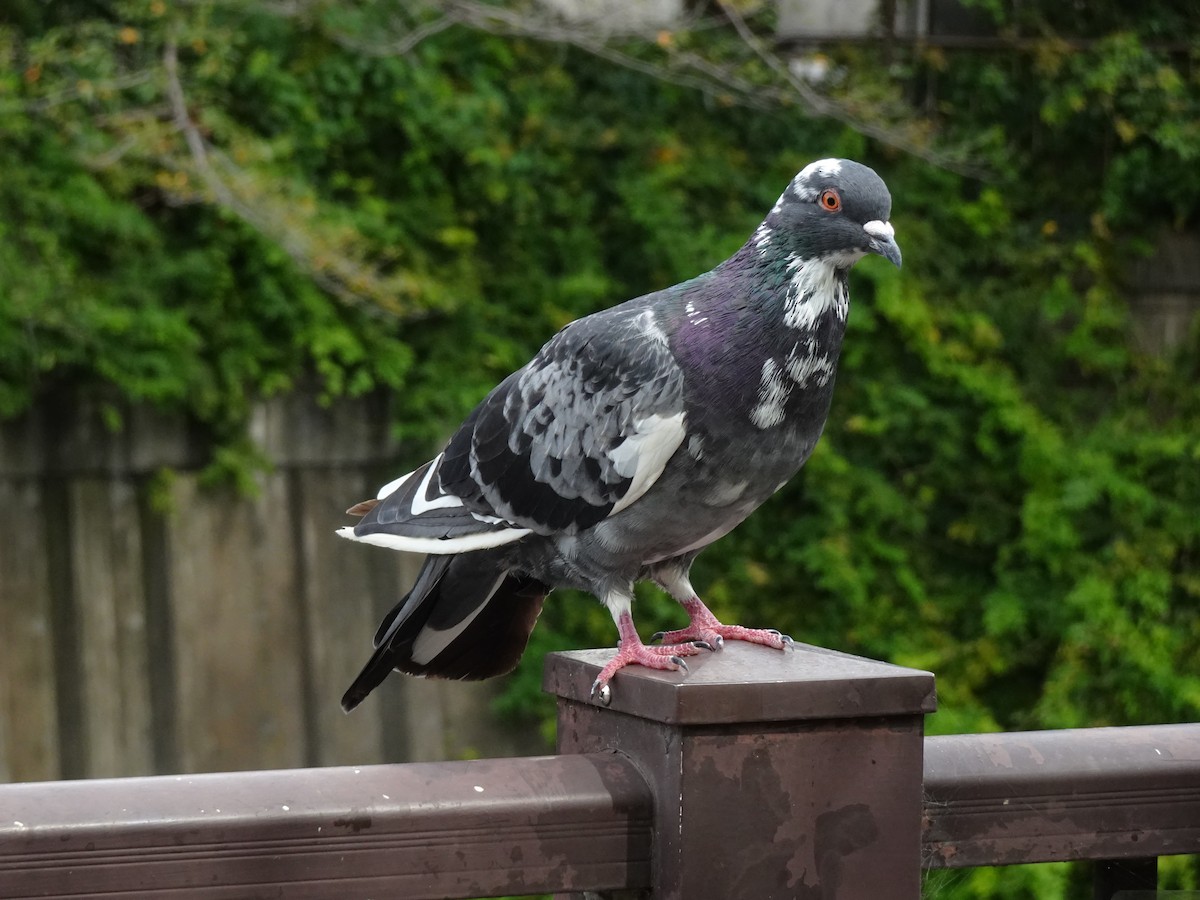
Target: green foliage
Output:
[{"x": 1007, "y": 490}]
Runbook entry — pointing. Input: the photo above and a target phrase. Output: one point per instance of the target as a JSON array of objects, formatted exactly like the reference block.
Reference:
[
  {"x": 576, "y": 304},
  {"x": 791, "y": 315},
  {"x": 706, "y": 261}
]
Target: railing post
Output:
[
  {"x": 774, "y": 774},
  {"x": 1111, "y": 877}
]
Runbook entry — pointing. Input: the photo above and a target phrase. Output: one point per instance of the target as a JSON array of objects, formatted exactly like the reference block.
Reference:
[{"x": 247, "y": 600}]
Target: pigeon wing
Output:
[
  {"x": 578, "y": 434},
  {"x": 414, "y": 514}
]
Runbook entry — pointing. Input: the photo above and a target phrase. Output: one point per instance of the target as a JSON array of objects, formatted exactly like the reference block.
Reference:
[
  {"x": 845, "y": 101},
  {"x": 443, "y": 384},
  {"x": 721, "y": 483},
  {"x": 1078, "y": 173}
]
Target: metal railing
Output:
[
  {"x": 1121, "y": 797},
  {"x": 758, "y": 772}
]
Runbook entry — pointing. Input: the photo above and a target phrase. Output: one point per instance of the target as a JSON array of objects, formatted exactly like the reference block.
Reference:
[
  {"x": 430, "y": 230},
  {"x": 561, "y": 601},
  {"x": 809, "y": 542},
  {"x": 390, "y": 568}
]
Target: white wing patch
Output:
[
  {"x": 649, "y": 326},
  {"x": 427, "y": 498},
  {"x": 439, "y": 546},
  {"x": 643, "y": 455},
  {"x": 392, "y": 486},
  {"x": 444, "y": 501}
]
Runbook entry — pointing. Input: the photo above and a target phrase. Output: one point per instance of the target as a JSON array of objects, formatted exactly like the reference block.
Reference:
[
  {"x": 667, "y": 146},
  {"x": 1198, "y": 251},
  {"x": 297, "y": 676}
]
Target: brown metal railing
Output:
[
  {"x": 1119, "y": 796},
  {"x": 461, "y": 829},
  {"x": 758, "y": 775}
]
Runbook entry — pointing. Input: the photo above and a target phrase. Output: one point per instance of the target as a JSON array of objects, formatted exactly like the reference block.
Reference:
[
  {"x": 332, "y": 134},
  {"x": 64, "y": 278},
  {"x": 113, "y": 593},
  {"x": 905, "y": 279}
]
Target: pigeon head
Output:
[{"x": 835, "y": 210}]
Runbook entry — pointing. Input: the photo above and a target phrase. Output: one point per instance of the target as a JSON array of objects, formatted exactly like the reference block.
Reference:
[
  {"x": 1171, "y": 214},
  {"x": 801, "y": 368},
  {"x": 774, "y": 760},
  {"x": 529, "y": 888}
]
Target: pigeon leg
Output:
[
  {"x": 707, "y": 628},
  {"x": 631, "y": 650}
]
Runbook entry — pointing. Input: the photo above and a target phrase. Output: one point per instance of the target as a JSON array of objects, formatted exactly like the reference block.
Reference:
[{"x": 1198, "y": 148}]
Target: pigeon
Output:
[{"x": 635, "y": 438}]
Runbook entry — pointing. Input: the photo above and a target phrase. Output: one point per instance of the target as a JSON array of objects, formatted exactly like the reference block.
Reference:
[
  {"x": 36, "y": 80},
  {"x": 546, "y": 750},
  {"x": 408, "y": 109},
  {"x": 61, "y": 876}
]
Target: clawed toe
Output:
[
  {"x": 601, "y": 693},
  {"x": 704, "y": 632},
  {"x": 713, "y": 635},
  {"x": 634, "y": 652}
]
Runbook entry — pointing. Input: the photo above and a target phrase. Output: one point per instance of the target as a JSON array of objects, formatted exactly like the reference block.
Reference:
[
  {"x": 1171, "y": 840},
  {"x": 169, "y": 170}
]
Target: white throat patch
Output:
[{"x": 813, "y": 290}]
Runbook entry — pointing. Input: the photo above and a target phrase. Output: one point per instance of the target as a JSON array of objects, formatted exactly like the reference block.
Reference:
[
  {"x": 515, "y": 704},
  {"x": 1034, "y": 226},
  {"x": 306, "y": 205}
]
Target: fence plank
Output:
[
  {"x": 144, "y": 641},
  {"x": 28, "y": 699},
  {"x": 295, "y": 430},
  {"x": 339, "y": 602},
  {"x": 236, "y": 631},
  {"x": 109, "y": 613}
]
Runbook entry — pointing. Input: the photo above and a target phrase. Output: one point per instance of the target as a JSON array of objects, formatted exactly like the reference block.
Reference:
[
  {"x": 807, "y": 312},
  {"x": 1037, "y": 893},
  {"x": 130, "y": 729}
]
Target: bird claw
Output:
[
  {"x": 601, "y": 692},
  {"x": 633, "y": 652},
  {"x": 702, "y": 644},
  {"x": 712, "y": 635}
]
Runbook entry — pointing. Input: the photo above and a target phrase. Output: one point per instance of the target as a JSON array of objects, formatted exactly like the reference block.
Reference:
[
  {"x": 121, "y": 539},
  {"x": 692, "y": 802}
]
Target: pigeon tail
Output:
[{"x": 466, "y": 617}]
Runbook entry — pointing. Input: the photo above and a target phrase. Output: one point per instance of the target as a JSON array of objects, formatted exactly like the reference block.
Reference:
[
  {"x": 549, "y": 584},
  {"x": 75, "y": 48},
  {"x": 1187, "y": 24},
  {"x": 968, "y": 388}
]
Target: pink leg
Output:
[
  {"x": 705, "y": 627},
  {"x": 631, "y": 650}
]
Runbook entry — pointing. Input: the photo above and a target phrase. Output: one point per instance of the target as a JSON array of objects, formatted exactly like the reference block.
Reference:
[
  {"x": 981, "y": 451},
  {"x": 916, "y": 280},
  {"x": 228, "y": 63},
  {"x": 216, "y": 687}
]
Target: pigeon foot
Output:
[
  {"x": 634, "y": 652},
  {"x": 707, "y": 629}
]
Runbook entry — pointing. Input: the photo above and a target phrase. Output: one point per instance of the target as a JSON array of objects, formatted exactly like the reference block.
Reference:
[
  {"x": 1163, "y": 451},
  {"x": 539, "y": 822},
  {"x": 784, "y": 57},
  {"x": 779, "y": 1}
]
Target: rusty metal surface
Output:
[
  {"x": 470, "y": 829},
  {"x": 765, "y": 808},
  {"x": 748, "y": 683},
  {"x": 1091, "y": 793}
]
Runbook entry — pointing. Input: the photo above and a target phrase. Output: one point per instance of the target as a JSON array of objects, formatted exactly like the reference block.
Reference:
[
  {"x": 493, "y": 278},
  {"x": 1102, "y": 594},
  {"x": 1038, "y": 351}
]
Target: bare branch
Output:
[
  {"x": 336, "y": 275},
  {"x": 112, "y": 156},
  {"x": 82, "y": 90},
  {"x": 399, "y": 46},
  {"x": 191, "y": 134},
  {"x": 497, "y": 20},
  {"x": 822, "y": 105},
  {"x": 686, "y": 69}
]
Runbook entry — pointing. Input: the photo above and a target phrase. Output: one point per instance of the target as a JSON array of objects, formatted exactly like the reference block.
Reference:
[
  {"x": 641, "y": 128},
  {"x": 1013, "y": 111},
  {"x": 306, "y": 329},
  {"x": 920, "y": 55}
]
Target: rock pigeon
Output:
[{"x": 634, "y": 439}]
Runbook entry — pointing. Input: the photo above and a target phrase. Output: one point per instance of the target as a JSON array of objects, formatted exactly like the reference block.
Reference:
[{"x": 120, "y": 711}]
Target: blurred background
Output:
[{"x": 258, "y": 257}]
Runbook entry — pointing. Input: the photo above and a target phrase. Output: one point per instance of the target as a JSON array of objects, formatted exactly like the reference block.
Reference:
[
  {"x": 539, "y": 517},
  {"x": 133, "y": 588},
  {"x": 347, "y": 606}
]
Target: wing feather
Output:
[
  {"x": 581, "y": 432},
  {"x": 414, "y": 514},
  {"x": 578, "y": 434}
]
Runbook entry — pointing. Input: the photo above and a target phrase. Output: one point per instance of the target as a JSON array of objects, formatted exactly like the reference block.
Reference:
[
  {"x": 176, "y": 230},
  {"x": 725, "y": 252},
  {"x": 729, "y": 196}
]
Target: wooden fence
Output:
[
  {"x": 154, "y": 625},
  {"x": 758, "y": 775}
]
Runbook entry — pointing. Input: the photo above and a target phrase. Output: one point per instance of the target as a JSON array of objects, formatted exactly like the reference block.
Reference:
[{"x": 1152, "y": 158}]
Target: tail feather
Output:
[{"x": 466, "y": 618}]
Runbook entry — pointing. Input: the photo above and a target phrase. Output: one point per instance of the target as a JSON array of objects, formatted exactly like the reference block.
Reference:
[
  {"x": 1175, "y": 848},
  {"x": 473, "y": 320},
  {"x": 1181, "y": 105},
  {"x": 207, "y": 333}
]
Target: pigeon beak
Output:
[{"x": 882, "y": 240}]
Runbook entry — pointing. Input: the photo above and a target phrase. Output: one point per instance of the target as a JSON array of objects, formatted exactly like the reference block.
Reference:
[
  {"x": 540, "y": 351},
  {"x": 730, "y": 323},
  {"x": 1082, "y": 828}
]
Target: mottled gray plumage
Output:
[{"x": 636, "y": 437}]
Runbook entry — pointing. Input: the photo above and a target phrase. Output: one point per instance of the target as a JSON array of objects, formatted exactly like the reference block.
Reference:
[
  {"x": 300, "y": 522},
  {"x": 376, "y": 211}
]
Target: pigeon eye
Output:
[{"x": 831, "y": 200}]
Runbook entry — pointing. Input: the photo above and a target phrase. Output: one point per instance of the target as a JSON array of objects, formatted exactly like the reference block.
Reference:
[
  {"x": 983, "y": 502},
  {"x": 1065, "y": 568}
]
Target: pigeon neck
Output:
[{"x": 802, "y": 290}]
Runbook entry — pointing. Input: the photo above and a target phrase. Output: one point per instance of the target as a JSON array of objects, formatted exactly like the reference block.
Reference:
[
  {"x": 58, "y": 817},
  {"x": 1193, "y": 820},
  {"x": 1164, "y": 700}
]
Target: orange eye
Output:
[{"x": 831, "y": 200}]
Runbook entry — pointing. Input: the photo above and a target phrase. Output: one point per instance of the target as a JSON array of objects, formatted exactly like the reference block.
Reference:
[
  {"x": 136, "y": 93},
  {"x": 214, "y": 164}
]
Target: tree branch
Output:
[
  {"x": 825, "y": 106},
  {"x": 685, "y": 69},
  {"x": 336, "y": 276}
]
